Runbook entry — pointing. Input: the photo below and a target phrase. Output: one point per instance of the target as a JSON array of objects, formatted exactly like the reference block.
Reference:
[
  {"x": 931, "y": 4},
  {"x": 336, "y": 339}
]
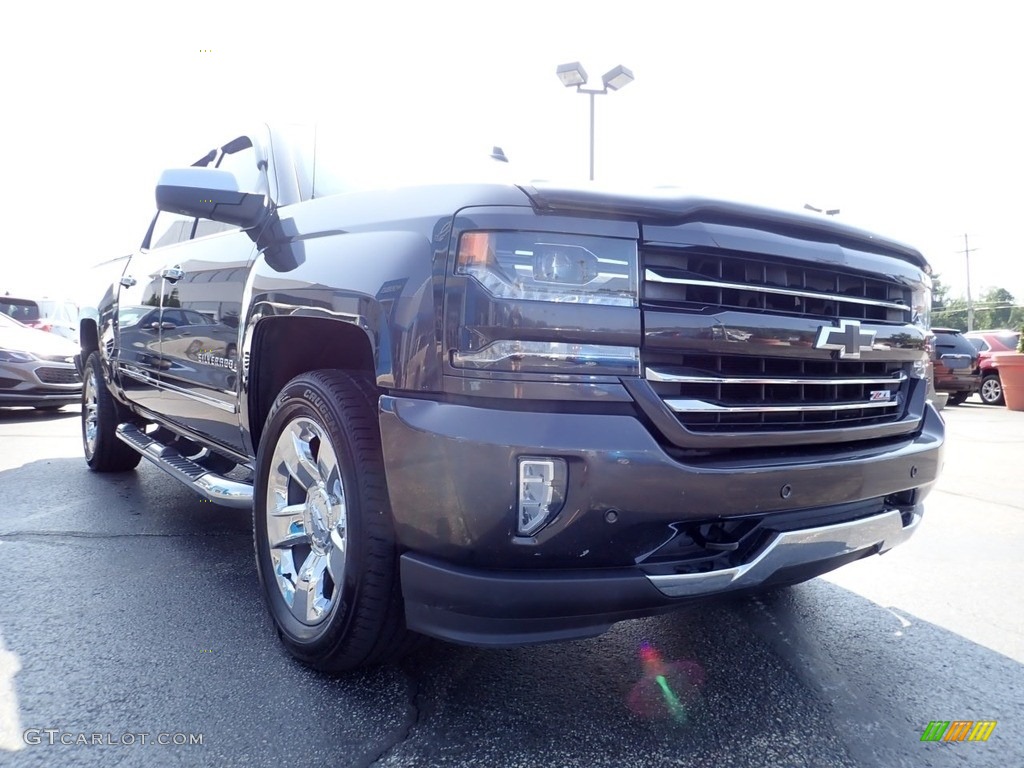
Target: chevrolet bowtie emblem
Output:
[{"x": 848, "y": 338}]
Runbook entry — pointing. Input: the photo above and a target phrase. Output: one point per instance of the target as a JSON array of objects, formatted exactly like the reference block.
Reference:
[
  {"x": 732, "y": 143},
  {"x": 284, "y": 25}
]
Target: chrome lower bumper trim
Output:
[{"x": 795, "y": 548}]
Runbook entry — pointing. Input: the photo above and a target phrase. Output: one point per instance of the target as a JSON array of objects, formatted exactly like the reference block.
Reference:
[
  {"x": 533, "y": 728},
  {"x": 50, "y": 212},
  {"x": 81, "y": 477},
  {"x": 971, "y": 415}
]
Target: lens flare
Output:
[{"x": 666, "y": 688}]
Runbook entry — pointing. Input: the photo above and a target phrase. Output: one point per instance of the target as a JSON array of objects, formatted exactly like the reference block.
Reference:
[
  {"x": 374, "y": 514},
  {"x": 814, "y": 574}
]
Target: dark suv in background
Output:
[
  {"x": 987, "y": 342},
  {"x": 956, "y": 365}
]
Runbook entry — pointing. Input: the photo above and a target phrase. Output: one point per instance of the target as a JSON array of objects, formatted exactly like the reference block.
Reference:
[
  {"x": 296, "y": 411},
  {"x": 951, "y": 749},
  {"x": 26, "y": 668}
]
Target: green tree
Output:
[
  {"x": 953, "y": 314},
  {"x": 996, "y": 310},
  {"x": 939, "y": 291}
]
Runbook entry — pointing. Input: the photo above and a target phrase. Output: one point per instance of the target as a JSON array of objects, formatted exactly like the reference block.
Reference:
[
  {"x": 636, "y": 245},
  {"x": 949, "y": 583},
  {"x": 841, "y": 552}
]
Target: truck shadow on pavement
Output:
[
  {"x": 19, "y": 415},
  {"x": 813, "y": 675},
  {"x": 146, "y": 616}
]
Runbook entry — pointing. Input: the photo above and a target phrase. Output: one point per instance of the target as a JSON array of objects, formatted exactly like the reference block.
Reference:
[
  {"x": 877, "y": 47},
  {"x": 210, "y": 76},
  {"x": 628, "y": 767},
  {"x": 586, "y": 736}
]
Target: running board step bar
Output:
[{"x": 220, "y": 490}]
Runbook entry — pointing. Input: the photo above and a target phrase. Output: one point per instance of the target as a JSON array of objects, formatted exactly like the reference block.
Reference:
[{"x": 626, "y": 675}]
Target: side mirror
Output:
[{"x": 209, "y": 193}]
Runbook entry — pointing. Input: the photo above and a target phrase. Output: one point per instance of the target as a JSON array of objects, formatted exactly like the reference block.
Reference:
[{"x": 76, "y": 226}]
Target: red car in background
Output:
[{"x": 987, "y": 342}]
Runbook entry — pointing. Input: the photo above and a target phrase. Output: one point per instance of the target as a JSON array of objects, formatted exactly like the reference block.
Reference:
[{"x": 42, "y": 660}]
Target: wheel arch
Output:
[
  {"x": 285, "y": 347},
  {"x": 88, "y": 336}
]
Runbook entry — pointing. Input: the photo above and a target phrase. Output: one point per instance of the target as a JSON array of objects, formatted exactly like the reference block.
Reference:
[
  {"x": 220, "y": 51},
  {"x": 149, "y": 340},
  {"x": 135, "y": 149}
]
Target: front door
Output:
[
  {"x": 203, "y": 287},
  {"x": 139, "y": 324}
]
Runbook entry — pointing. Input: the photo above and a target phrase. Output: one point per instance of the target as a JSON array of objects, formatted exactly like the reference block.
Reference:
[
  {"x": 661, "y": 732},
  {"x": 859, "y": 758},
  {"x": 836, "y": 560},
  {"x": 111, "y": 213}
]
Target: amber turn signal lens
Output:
[{"x": 474, "y": 249}]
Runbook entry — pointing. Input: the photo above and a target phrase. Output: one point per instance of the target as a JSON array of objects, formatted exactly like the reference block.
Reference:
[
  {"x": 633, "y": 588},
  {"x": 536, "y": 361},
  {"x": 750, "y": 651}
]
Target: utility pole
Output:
[{"x": 970, "y": 302}]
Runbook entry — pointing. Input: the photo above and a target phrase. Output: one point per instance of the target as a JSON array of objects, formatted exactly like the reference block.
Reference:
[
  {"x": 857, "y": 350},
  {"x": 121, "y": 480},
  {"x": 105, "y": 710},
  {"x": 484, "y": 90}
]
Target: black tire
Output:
[
  {"x": 991, "y": 390},
  {"x": 100, "y": 417},
  {"x": 357, "y": 617},
  {"x": 957, "y": 398}
]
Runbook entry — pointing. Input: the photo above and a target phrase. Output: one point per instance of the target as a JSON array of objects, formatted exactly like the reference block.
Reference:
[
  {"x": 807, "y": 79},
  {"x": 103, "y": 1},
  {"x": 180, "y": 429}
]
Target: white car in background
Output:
[{"x": 37, "y": 369}]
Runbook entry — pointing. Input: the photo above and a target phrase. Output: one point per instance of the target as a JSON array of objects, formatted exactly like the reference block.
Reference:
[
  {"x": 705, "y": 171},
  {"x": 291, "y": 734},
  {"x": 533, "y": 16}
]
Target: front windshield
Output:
[{"x": 354, "y": 159}]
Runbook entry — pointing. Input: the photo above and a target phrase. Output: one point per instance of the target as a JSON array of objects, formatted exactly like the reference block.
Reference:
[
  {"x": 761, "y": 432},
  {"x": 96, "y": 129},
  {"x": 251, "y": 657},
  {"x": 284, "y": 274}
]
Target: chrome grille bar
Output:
[
  {"x": 653, "y": 374},
  {"x": 680, "y": 405},
  {"x": 654, "y": 277}
]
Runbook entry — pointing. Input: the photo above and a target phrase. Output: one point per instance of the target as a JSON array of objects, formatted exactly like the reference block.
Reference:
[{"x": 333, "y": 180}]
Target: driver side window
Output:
[{"x": 170, "y": 228}]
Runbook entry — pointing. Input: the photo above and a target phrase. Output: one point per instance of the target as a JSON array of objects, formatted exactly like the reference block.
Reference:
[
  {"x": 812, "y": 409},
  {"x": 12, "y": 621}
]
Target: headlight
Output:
[
  {"x": 921, "y": 316},
  {"x": 922, "y": 304},
  {"x": 540, "y": 266},
  {"x": 11, "y": 356}
]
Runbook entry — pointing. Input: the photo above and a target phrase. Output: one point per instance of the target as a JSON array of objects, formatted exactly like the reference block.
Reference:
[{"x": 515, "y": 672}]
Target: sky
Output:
[{"x": 904, "y": 116}]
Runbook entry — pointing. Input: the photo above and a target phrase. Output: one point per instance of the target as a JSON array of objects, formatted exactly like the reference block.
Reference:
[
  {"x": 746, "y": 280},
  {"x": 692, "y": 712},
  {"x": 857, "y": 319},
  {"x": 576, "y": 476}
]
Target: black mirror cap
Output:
[{"x": 209, "y": 193}]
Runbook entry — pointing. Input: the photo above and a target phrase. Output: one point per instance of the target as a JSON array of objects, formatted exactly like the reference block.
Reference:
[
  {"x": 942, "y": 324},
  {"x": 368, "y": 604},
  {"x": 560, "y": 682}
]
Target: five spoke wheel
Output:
[
  {"x": 307, "y": 519},
  {"x": 325, "y": 543}
]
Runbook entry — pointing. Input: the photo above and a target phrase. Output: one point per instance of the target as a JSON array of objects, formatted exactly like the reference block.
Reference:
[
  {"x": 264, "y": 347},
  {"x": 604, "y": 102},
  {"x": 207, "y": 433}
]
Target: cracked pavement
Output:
[{"x": 132, "y": 607}]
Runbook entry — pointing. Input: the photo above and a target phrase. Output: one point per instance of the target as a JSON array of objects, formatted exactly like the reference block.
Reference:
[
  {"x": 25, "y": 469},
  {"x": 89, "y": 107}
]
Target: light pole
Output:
[
  {"x": 826, "y": 211},
  {"x": 573, "y": 74},
  {"x": 970, "y": 302}
]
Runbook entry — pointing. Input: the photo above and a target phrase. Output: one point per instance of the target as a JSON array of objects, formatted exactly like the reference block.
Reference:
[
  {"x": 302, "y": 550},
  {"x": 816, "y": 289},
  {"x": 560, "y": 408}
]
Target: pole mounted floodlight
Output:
[
  {"x": 573, "y": 75},
  {"x": 617, "y": 78}
]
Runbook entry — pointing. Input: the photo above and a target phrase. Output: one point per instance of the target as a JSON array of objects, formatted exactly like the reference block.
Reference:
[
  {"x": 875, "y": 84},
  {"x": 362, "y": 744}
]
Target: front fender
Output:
[{"x": 385, "y": 283}]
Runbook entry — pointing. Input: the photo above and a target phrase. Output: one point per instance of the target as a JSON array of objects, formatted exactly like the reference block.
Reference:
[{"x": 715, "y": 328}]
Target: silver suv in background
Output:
[{"x": 42, "y": 313}]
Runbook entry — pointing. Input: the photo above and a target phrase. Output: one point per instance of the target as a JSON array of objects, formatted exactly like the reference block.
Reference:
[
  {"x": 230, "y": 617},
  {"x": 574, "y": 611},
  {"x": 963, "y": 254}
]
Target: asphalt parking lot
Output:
[{"x": 131, "y": 610}]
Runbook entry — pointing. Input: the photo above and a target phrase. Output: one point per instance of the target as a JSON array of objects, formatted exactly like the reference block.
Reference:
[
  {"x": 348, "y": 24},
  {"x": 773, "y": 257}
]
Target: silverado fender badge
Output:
[{"x": 848, "y": 338}]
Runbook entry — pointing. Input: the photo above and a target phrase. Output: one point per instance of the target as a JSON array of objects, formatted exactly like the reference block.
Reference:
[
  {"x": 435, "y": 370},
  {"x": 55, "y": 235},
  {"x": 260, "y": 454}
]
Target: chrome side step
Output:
[{"x": 216, "y": 488}]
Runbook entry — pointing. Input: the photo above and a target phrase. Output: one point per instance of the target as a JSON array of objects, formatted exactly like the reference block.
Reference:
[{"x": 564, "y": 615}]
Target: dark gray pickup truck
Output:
[{"x": 501, "y": 414}]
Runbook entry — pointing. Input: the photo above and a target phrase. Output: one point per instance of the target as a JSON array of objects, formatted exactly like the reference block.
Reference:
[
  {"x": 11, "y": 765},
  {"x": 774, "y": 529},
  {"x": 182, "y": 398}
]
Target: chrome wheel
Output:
[
  {"x": 992, "y": 391},
  {"x": 90, "y": 413},
  {"x": 307, "y": 520},
  {"x": 325, "y": 544},
  {"x": 100, "y": 418}
]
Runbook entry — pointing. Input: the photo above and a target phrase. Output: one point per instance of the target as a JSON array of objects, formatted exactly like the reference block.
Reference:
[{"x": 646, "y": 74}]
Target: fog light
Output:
[{"x": 541, "y": 492}]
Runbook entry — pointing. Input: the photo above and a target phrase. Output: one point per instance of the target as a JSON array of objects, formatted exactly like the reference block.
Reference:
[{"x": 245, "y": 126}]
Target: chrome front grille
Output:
[
  {"x": 723, "y": 282},
  {"x": 733, "y": 346},
  {"x": 715, "y": 393}
]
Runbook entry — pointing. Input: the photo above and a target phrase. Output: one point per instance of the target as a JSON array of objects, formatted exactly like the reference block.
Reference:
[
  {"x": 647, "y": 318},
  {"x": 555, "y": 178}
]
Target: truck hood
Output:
[{"x": 669, "y": 208}]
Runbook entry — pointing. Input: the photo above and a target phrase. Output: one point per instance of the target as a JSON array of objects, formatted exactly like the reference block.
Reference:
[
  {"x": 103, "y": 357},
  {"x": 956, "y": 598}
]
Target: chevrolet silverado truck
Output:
[{"x": 501, "y": 414}]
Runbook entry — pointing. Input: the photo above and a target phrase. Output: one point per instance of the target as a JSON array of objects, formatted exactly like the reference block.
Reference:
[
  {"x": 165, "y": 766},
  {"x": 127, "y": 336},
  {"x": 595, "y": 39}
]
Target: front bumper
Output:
[
  {"x": 39, "y": 383},
  {"x": 505, "y": 608},
  {"x": 467, "y": 576},
  {"x": 35, "y": 399}
]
